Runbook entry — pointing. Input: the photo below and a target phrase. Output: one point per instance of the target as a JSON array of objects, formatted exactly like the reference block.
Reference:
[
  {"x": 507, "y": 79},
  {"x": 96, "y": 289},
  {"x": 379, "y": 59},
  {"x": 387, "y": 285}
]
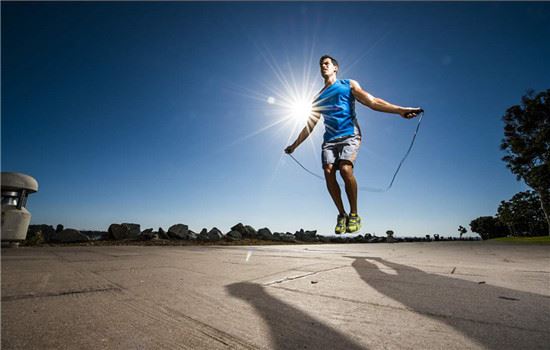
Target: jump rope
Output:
[{"x": 372, "y": 189}]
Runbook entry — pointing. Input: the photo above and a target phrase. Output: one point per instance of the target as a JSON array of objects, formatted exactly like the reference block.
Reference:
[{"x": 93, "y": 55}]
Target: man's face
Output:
[{"x": 328, "y": 68}]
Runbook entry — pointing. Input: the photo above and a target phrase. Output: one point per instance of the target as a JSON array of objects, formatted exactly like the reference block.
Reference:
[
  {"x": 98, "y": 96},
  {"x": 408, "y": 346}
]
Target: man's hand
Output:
[
  {"x": 409, "y": 113},
  {"x": 289, "y": 149}
]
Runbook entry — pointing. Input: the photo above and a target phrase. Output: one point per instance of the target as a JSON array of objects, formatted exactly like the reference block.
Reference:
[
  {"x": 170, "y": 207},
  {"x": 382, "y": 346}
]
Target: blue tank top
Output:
[{"x": 337, "y": 106}]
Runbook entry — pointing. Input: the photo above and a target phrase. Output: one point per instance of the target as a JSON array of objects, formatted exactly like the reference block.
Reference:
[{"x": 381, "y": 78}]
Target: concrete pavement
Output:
[{"x": 438, "y": 295}]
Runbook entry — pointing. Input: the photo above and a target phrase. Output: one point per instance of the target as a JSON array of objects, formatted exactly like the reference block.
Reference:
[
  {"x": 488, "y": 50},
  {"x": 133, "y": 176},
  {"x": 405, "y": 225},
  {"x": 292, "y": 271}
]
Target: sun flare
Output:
[{"x": 300, "y": 109}]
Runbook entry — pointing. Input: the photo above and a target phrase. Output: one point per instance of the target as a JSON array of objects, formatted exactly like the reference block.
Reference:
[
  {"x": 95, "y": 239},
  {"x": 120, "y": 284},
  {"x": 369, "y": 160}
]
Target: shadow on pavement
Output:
[
  {"x": 289, "y": 327},
  {"x": 495, "y": 317}
]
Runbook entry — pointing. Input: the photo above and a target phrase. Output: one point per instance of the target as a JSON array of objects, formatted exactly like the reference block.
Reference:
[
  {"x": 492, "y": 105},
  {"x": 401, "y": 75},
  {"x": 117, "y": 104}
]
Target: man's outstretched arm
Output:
[
  {"x": 306, "y": 131},
  {"x": 379, "y": 104}
]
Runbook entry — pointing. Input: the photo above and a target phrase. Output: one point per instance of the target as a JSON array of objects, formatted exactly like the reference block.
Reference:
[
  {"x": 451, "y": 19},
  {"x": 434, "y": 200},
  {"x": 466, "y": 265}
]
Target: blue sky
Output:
[{"x": 158, "y": 113}]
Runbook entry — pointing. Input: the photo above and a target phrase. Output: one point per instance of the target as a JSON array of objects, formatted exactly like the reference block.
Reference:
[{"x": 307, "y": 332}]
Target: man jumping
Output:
[{"x": 342, "y": 138}]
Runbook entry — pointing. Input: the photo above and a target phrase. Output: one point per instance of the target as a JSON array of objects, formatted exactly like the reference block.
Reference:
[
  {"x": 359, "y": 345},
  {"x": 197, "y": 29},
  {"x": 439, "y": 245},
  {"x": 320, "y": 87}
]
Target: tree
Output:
[
  {"x": 488, "y": 227},
  {"x": 462, "y": 230},
  {"x": 527, "y": 145},
  {"x": 523, "y": 214}
]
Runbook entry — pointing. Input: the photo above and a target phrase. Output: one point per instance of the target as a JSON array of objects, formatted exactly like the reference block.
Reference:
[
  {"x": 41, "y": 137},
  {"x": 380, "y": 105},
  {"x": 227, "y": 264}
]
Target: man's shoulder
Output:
[{"x": 350, "y": 82}]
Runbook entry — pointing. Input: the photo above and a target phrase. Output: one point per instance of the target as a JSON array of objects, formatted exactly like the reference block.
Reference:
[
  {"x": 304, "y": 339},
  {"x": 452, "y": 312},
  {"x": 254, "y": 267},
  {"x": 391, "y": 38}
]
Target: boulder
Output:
[
  {"x": 147, "y": 235},
  {"x": 96, "y": 235},
  {"x": 69, "y": 236},
  {"x": 133, "y": 230},
  {"x": 116, "y": 231},
  {"x": 288, "y": 237},
  {"x": 239, "y": 228},
  {"x": 45, "y": 230},
  {"x": 190, "y": 236},
  {"x": 203, "y": 235},
  {"x": 162, "y": 234},
  {"x": 233, "y": 235},
  {"x": 265, "y": 234},
  {"x": 214, "y": 235},
  {"x": 124, "y": 231},
  {"x": 306, "y": 236},
  {"x": 250, "y": 231},
  {"x": 178, "y": 231},
  {"x": 245, "y": 230},
  {"x": 35, "y": 239}
]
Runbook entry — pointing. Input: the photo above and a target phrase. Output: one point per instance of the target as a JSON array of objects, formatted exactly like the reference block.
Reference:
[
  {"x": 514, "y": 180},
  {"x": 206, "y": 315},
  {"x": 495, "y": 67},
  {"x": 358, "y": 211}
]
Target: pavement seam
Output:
[
  {"x": 58, "y": 294},
  {"x": 161, "y": 311},
  {"x": 286, "y": 279},
  {"x": 297, "y": 268}
]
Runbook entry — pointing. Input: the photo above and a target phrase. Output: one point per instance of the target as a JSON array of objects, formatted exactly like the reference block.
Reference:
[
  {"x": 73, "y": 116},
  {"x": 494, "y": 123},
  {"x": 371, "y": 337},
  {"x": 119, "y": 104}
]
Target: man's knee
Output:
[
  {"x": 329, "y": 170},
  {"x": 346, "y": 168}
]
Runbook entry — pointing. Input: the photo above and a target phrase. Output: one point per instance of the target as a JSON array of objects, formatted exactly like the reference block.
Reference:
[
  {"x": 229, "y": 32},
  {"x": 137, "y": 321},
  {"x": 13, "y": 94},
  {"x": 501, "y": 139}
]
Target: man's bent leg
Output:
[
  {"x": 346, "y": 170},
  {"x": 333, "y": 187}
]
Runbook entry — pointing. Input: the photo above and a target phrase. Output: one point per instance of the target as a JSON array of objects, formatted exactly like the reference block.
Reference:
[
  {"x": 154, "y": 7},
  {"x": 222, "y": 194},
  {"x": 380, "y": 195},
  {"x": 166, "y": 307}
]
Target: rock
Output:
[
  {"x": 162, "y": 234},
  {"x": 246, "y": 231},
  {"x": 133, "y": 230},
  {"x": 178, "y": 231},
  {"x": 69, "y": 236},
  {"x": 277, "y": 236},
  {"x": 265, "y": 234},
  {"x": 239, "y": 228},
  {"x": 116, "y": 231},
  {"x": 250, "y": 231},
  {"x": 203, "y": 235},
  {"x": 191, "y": 236},
  {"x": 35, "y": 239},
  {"x": 45, "y": 230},
  {"x": 234, "y": 235},
  {"x": 306, "y": 236},
  {"x": 147, "y": 234},
  {"x": 214, "y": 235},
  {"x": 124, "y": 231},
  {"x": 288, "y": 237},
  {"x": 96, "y": 235}
]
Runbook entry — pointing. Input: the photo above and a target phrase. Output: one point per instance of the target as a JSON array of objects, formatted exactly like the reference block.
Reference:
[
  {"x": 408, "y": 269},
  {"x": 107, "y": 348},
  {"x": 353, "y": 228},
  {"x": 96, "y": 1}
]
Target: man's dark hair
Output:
[{"x": 334, "y": 62}]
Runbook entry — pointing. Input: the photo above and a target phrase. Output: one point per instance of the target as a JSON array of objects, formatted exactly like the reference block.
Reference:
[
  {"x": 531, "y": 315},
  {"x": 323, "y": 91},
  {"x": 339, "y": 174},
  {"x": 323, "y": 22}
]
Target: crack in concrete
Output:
[
  {"x": 58, "y": 294},
  {"x": 292, "y": 278}
]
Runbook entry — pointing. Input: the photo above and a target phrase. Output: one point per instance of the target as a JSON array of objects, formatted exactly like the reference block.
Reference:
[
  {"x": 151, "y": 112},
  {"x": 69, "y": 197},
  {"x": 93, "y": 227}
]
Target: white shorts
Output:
[{"x": 343, "y": 148}]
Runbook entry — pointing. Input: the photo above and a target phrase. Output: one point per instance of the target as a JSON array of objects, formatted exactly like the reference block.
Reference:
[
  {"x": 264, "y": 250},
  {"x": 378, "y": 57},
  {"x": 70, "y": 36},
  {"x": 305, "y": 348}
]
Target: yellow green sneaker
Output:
[
  {"x": 354, "y": 223},
  {"x": 341, "y": 224}
]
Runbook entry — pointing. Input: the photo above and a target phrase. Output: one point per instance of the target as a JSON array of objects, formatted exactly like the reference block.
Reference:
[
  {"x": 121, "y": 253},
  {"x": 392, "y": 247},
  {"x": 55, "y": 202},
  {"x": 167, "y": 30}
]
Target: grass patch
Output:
[{"x": 533, "y": 240}]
